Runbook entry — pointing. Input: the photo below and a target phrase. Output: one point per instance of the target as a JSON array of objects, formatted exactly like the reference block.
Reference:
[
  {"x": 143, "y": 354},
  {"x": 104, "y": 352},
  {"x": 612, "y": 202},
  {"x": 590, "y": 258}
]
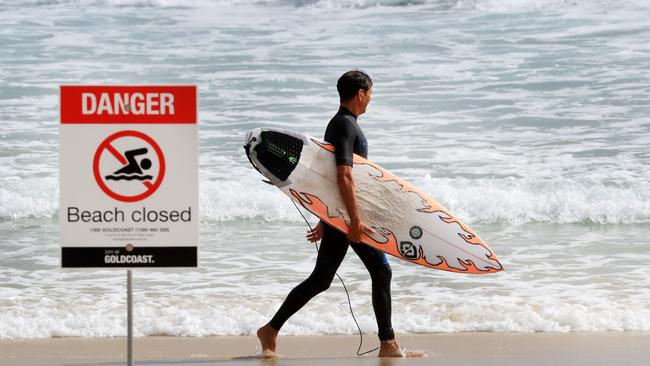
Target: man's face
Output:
[{"x": 366, "y": 96}]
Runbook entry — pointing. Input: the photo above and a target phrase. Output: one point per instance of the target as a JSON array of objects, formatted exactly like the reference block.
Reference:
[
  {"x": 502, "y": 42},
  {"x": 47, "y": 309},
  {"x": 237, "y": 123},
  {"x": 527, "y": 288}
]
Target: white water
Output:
[{"x": 528, "y": 119}]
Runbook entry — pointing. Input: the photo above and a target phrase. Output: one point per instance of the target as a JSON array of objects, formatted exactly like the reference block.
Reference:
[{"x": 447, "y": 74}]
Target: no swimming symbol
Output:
[{"x": 129, "y": 166}]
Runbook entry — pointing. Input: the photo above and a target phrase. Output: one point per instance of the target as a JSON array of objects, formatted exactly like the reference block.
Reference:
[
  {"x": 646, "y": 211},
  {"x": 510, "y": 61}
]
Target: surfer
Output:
[{"x": 355, "y": 92}]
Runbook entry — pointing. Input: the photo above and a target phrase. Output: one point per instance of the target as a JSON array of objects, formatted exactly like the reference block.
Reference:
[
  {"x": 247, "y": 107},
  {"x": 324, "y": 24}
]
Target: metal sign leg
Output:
[{"x": 129, "y": 317}]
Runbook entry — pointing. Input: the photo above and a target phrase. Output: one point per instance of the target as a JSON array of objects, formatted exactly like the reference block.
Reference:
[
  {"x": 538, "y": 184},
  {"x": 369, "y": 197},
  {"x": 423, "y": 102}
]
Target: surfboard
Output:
[{"x": 409, "y": 224}]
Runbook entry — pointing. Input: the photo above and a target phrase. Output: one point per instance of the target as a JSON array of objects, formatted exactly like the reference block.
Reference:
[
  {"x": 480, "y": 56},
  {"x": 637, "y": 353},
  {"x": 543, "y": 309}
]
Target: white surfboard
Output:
[{"x": 409, "y": 224}]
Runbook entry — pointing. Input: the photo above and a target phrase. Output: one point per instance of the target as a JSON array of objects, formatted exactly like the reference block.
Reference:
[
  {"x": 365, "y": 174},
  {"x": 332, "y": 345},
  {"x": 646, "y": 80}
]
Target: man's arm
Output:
[
  {"x": 343, "y": 142},
  {"x": 346, "y": 188}
]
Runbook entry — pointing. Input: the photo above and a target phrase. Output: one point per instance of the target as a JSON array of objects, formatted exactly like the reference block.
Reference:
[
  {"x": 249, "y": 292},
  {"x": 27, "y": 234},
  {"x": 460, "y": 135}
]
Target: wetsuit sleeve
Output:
[{"x": 343, "y": 141}]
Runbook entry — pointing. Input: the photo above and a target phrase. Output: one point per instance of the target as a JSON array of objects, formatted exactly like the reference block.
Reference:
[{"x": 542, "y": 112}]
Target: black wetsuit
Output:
[{"x": 344, "y": 133}]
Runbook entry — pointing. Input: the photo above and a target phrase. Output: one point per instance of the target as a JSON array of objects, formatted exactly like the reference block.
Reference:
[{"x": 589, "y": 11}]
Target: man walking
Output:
[{"x": 355, "y": 92}]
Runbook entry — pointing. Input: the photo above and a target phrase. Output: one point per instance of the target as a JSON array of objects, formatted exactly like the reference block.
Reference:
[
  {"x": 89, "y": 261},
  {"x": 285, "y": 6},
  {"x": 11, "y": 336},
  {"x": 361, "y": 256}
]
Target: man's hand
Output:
[
  {"x": 356, "y": 229},
  {"x": 316, "y": 234}
]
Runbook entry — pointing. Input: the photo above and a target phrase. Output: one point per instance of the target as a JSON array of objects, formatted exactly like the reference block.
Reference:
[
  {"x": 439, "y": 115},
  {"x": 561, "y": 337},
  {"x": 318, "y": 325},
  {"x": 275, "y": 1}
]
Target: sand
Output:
[{"x": 608, "y": 348}]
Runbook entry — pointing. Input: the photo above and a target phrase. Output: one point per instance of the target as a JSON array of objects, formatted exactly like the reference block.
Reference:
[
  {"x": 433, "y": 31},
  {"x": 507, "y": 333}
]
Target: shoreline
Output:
[{"x": 604, "y": 348}]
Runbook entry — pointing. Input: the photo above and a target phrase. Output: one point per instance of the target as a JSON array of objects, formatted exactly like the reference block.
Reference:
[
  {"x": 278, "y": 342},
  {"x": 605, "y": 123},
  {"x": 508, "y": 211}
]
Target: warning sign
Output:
[{"x": 128, "y": 176}]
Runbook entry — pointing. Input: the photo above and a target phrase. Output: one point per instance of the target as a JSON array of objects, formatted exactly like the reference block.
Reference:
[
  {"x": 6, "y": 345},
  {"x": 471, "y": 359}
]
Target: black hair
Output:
[{"x": 350, "y": 83}]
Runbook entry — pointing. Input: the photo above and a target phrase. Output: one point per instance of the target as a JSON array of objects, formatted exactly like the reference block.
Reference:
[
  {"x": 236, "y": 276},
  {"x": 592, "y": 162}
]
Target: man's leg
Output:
[
  {"x": 377, "y": 265},
  {"x": 334, "y": 245},
  {"x": 380, "y": 273}
]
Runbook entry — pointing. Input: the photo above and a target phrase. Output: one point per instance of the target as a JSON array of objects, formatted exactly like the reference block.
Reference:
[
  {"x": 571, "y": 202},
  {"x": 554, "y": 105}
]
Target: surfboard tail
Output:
[{"x": 274, "y": 154}]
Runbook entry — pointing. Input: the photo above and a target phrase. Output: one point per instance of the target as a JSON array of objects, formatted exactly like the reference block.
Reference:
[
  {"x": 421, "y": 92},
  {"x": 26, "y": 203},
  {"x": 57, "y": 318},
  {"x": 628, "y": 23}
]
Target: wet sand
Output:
[{"x": 609, "y": 348}]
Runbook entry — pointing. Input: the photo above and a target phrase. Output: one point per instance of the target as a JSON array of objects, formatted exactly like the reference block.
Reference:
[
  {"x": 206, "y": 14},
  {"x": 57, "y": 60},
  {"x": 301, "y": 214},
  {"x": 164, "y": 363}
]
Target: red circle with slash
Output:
[{"x": 106, "y": 145}]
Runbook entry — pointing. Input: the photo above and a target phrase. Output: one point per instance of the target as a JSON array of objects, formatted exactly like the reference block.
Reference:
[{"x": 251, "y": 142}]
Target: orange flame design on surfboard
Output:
[
  {"x": 390, "y": 245},
  {"x": 316, "y": 206}
]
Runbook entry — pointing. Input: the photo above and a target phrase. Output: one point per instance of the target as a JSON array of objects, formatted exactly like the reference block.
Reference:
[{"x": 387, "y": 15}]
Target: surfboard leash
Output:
[{"x": 344, "y": 287}]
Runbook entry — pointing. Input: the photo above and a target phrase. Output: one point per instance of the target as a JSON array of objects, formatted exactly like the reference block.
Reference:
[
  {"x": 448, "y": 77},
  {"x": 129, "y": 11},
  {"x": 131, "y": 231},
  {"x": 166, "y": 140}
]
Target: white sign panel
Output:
[{"x": 129, "y": 176}]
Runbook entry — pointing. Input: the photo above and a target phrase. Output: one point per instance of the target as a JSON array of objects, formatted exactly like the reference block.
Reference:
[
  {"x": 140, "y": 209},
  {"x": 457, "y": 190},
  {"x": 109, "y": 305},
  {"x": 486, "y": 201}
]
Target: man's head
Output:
[{"x": 355, "y": 90}]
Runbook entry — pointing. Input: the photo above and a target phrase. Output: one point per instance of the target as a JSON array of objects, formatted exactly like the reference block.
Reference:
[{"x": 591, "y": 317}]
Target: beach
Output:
[
  {"x": 607, "y": 348},
  {"x": 526, "y": 119}
]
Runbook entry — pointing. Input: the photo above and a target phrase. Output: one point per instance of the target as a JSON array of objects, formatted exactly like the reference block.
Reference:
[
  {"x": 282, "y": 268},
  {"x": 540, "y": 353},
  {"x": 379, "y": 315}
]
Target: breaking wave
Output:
[{"x": 485, "y": 201}]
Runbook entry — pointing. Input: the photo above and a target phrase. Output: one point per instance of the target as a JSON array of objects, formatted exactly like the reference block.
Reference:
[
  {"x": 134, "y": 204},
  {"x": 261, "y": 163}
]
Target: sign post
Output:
[
  {"x": 128, "y": 179},
  {"x": 129, "y": 318}
]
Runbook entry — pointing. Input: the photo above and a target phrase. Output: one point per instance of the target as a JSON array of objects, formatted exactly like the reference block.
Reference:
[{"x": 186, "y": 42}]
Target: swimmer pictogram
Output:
[
  {"x": 129, "y": 166},
  {"x": 134, "y": 169}
]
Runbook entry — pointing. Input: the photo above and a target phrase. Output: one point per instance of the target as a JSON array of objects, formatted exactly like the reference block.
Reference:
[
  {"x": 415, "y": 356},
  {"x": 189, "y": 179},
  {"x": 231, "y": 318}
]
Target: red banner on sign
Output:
[{"x": 128, "y": 104}]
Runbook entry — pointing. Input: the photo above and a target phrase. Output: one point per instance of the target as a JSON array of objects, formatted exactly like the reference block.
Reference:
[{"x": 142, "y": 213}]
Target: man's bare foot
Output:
[
  {"x": 391, "y": 349},
  {"x": 267, "y": 336}
]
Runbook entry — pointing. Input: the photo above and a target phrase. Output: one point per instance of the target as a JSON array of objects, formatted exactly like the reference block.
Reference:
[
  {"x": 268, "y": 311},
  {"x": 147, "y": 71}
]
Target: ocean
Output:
[{"x": 529, "y": 119}]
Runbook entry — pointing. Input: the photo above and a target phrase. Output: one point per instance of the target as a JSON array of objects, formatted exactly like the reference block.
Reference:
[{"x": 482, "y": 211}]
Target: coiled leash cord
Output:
[{"x": 344, "y": 287}]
